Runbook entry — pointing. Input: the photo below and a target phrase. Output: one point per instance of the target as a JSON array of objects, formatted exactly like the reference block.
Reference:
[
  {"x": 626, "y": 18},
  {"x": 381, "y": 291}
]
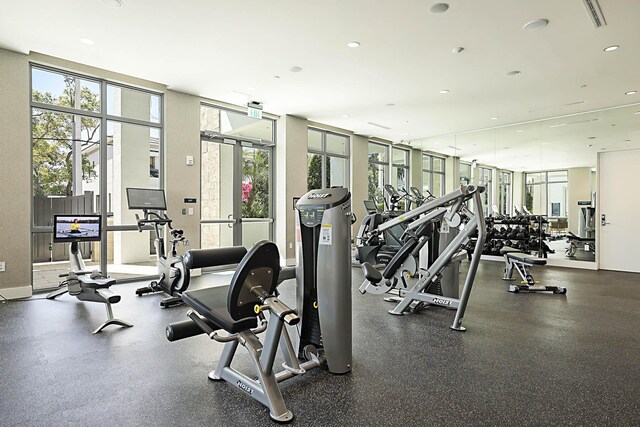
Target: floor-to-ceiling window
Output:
[
  {"x": 465, "y": 173},
  {"x": 505, "y": 192},
  {"x": 485, "y": 177},
  {"x": 378, "y": 172},
  {"x": 433, "y": 174},
  {"x": 327, "y": 159},
  {"x": 91, "y": 139},
  {"x": 546, "y": 193},
  {"x": 236, "y": 178}
]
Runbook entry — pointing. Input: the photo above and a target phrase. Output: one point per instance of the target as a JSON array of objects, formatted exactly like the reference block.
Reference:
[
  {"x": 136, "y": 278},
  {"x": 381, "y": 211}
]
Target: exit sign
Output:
[{"x": 255, "y": 113}]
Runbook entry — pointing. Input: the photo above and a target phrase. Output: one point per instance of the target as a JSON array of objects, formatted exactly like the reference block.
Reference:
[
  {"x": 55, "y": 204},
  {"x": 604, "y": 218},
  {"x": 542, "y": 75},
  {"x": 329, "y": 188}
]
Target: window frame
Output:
[
  {"x": 324, "y": 154},
  {"x": 545, "y": 182},
  {"x": 430, "y": 172}
]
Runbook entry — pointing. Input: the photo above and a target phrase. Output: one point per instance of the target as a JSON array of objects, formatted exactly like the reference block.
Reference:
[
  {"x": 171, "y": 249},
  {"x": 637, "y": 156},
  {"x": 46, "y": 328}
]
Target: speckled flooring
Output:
[{"x": 526, "y": 359}]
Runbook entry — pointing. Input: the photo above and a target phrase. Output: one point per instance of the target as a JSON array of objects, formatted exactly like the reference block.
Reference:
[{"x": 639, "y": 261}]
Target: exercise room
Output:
[{"x": 388, "y": 213}]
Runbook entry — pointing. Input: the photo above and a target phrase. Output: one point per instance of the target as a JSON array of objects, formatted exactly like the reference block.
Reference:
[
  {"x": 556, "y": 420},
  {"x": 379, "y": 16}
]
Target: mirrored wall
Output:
[{"x": 541, "y": 178}]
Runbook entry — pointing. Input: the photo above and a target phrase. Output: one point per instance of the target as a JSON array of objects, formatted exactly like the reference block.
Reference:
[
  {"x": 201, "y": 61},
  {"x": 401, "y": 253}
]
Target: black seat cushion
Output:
[
  {"x": 211, "y": 303},
  {"x": 370, "y": 273},
  {"x": 527, "y": 259},
  {"x": 572, "y": 236},
  {"x": 508, "y": 250}
]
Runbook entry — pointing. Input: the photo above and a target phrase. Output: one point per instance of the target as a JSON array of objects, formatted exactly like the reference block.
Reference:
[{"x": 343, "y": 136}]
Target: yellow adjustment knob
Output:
[
  {"x": 315, "y": 304},
  {"x": 257, "y": 309}
]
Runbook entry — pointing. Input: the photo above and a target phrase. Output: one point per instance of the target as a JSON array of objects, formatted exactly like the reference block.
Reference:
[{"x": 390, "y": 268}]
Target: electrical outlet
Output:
[
  {"x": 2, "y": 266},
  {"x": 290, "y": 245}
]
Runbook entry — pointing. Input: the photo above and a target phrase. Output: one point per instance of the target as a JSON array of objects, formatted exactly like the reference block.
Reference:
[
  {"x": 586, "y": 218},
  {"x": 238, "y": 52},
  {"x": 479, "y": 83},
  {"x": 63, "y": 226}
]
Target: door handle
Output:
[
  {"x": 230, "y": 216},
  {"x": 603, "y": 220}
]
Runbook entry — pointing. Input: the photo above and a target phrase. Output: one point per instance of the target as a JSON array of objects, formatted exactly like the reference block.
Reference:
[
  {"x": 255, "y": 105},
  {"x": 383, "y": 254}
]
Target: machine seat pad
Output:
[
  {"x": 572, "y": 236},
  {"x": 507, "y": 250},
  {"x": 405, "y": 251},
  {"x": 527, "y": 259},
  {"x": 211, "y": 303},
  {"x": 88, "y": 282},
  {"x": 371, "y": 274}
]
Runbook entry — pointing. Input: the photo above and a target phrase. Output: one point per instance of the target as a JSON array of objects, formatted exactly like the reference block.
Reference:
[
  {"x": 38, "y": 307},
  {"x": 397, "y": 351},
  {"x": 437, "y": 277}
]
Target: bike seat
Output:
[{"x": 371, "y": 274}]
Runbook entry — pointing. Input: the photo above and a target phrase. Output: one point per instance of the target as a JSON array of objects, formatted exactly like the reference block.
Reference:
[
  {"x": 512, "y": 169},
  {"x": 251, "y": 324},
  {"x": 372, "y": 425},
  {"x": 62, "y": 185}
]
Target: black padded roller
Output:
[
  {"x": 181, "y": 330},
  {"x": 199, "y": 258}
]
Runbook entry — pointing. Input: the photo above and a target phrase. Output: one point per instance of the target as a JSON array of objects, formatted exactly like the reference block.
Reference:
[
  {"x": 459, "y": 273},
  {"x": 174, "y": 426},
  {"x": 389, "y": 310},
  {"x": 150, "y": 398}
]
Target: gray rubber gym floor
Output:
[{"x": 525, "y": 359}]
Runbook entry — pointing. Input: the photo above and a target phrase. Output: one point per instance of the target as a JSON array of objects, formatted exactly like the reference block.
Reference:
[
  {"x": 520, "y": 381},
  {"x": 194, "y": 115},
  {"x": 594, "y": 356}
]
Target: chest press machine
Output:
[
  {"x": 515, "y": 260},
  {"x": 451, "y": 211},
  {"x": 322, "y": 317}
]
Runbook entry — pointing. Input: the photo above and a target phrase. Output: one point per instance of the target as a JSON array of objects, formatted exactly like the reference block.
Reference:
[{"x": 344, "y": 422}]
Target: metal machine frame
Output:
[
  {"x": 515, "y": 260},
  {"x": 450, "y": 209}
]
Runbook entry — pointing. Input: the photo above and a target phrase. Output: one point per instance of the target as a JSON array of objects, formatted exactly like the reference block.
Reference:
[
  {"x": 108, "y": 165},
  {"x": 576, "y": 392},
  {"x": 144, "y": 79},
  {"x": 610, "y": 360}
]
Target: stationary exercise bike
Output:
[{"x": 173, "y": 274}]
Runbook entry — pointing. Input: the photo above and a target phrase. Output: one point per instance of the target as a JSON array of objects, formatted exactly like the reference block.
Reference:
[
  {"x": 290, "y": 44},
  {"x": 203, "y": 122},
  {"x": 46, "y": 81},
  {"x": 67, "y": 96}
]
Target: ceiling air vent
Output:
[
  {"x": 595, "y": 13},
  {"x": 380, "y": 126}
]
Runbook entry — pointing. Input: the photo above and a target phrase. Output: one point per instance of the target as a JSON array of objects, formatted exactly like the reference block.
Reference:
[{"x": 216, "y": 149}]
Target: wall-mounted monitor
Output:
[
  {"x": 76, "y": 228},
  {"x": 146, "y": 198}
]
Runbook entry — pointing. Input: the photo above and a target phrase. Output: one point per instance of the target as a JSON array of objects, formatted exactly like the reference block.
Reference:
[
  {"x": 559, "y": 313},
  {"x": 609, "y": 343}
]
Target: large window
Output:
[
  {"x": 91, "y": 139},
  {"x": 465, "y": 173},
  {"x": 546, "y": 193},
  {"x": 433, "y": 174},
  {"x": 327, "y": 159},
  {"x": 486, "y": 178},
  {"x": 378, "y": 172},
  {"x": 505, "y": 193}
]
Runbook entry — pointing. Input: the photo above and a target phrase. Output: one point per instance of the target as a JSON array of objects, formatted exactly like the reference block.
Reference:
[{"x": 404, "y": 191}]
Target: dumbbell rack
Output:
[{"x": 533, "y": 238}]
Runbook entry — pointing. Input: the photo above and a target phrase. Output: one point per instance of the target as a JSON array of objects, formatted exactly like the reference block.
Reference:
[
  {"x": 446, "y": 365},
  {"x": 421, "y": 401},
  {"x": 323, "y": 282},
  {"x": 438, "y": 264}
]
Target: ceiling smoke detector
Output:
[
  {"x": 439, "y": 8},
  {"x": 114, "y": 4},
  {"x": 535, "y": 25}
]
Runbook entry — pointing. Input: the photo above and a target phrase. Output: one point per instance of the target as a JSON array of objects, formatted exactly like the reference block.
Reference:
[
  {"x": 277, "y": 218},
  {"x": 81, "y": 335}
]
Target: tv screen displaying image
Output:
[{"x": 76, "y": 228}]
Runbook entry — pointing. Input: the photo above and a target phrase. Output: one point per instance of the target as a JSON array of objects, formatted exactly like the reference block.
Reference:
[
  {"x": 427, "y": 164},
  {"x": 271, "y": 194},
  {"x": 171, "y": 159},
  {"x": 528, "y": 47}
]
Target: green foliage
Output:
[
  {"x": 529, "y": 198},
  {"x": 314, "y": 172},
  {"x": 375, "y": 190},
  {"x": 53, "y": 138},
  {"x": 255, "y": 170}
]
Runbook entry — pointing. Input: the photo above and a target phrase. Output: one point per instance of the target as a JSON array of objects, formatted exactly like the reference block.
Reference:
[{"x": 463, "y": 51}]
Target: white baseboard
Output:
[{"x": 16, "y": 293}]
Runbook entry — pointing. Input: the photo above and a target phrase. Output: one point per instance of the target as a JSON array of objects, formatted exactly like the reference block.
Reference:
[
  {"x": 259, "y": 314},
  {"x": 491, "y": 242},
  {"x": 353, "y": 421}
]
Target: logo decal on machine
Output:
[
  {"x": 242, "y": 386},
  {"x": 441, "y": 301},
  {"x": 318, "y": 196}
]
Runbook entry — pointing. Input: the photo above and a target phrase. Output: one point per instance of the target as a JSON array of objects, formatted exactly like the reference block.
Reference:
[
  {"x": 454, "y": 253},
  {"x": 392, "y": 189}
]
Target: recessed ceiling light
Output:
[
  {"x": 439, "y": 8},
  {"x": 276, "y": 77},
  {"x": 513, "y": 73},
  {"x": 345, "y": 116},
  {"x": 631, "y": 92},
  {"x": 88, "y": 41},
  {"x": 353, "y": 44},
  {"x": 116, "y": 4},
  {"x": 495, "y": 118},
  {"x": 457, "y": 49},
  {"x": 591, "y": 137},
  {"x": 535, "y": 25},
  {"x": 519, "y": 131},
  {"x": 295, "y": 69},
  {"x": 444, "y": 91},
  {"x": 558, "y": 125},
  {"x": 611, "y": 48}
]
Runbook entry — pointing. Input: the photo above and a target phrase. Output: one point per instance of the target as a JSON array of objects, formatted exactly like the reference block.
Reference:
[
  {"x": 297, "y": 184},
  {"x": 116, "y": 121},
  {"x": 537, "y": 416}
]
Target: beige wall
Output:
[
  {"x": 359, "y": 180},
  {"x": 291, "y": 180},
  {"x": 15, "y": 175},
  {"x": 182, "y": 139}
]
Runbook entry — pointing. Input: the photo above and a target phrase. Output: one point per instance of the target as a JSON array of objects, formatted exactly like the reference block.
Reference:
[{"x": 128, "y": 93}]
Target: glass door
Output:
[{"x": 235, "y": 192}]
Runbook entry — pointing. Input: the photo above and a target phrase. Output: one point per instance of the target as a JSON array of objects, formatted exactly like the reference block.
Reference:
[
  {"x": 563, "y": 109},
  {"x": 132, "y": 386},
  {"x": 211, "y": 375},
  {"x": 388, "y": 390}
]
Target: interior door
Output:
[{"x": 618, "y": 207}]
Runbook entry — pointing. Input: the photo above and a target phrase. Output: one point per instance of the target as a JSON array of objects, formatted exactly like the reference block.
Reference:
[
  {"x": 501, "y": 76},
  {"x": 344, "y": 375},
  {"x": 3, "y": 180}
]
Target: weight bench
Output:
[
  {"x": 236, "y": 310},
  {"x": 588, "y": 243},
  {"x": 514, "y": 259},
  {"x": 94, "y": 287}
]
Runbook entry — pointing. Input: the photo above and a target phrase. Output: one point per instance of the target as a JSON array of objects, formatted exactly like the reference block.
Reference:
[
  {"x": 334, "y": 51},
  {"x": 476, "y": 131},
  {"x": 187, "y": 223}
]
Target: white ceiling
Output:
[{"x": 231, "y": 51}]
